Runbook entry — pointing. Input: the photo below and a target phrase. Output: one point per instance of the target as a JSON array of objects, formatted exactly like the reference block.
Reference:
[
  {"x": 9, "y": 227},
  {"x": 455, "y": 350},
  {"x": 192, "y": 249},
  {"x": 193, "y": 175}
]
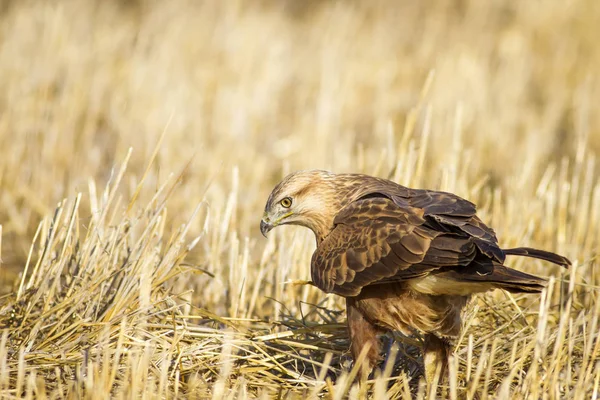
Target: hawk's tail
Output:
[
  {"x": 515, "y": 281},
  {"x": 500, "y": 277},
  {"x": 519, "y": 282},
  {"x": 541, "y": 254}
]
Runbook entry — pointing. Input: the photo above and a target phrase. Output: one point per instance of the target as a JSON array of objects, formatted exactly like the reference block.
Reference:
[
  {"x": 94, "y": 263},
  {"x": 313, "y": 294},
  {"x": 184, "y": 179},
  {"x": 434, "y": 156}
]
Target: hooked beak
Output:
[
  {"x": 265, "y": 227},
  {"x": 266, "y": 224}
]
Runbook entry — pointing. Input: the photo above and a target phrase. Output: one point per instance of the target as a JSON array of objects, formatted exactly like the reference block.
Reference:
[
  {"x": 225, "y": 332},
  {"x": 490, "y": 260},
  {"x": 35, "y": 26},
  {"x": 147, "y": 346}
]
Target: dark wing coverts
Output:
[{"x": 386, "y": 237}]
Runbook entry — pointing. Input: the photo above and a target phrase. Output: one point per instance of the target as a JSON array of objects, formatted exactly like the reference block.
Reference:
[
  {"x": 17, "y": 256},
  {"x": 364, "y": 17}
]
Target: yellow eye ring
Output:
[{"x": 286, "y": 202}]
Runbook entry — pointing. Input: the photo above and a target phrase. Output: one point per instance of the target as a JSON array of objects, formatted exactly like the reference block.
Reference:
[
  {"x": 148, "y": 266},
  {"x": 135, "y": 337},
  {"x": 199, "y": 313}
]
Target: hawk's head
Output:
[{"x": 306, "y": 198}]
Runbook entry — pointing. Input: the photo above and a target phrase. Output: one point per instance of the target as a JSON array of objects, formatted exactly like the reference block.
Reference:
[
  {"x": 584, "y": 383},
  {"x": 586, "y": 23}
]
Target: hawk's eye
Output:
[{"x": 286, "y": 202}]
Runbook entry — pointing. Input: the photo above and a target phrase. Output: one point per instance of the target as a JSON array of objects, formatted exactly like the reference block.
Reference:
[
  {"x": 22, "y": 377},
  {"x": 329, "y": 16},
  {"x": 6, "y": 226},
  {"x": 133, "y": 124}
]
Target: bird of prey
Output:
[{"x": 405, "y": 259}]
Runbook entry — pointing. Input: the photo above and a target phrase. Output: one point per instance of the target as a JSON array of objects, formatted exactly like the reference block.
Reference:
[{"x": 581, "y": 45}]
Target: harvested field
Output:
[{"x": 139, "y": 142}]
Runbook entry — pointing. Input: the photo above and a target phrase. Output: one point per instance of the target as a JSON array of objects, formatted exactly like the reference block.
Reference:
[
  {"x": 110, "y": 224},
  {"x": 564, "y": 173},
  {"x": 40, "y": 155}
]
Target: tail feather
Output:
[
  {"x": 541, "y": 254},
  {"x": 501, "y": 277},
  {"x": 515, "y": 281}
]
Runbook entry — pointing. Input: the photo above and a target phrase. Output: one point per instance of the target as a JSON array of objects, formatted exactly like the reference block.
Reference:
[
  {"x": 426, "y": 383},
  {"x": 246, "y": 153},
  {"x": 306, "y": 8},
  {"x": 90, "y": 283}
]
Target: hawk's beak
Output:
[{"x": 265, "y": 227}]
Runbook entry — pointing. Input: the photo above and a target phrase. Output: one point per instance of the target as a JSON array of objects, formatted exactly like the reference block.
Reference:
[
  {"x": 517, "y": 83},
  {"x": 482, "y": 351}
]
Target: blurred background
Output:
[{"x": 495, "y": 100}]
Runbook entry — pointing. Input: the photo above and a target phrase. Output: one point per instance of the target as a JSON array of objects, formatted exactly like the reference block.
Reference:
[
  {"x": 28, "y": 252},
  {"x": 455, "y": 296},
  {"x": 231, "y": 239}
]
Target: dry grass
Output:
[{"x": 150, "y": 278}]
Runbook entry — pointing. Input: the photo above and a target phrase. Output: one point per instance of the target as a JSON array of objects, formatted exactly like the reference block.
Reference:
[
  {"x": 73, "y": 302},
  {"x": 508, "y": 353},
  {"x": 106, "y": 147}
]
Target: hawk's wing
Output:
[
  {"x": 383, "y": 239},
  {"x": 450, "y": 211}
]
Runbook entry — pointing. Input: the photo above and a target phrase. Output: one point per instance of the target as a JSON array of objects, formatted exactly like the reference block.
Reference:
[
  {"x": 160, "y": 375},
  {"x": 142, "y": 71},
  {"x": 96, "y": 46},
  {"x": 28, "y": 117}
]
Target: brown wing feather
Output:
[
  {"x": 377, "y": 241},
  {"x": 443, "y": 211},
  {"x": 452, "y": 211},
  {"x": 352, "y": 255}
]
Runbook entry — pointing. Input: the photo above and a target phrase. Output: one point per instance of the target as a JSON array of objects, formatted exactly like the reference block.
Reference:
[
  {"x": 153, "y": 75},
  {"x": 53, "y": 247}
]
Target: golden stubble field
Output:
[{"x": 140, "y": 139}]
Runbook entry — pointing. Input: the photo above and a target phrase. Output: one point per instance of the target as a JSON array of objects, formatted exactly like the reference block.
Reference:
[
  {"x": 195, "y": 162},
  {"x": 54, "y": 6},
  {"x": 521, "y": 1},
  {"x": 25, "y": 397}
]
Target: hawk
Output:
[{"x": 405, "y": 259}]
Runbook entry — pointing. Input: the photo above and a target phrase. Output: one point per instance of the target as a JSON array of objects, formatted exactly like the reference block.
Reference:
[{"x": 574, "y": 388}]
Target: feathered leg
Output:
[
  {"x": 362, "y": 334},
  {"x": 435, "y": 357}
]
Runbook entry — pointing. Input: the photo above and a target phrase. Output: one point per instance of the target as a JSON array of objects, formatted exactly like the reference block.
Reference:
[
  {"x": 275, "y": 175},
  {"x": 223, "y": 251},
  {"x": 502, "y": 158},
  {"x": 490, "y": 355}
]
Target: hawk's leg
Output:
[
  {"x": 363, "y": 333},
  {"x": 435, "y": 357}
]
